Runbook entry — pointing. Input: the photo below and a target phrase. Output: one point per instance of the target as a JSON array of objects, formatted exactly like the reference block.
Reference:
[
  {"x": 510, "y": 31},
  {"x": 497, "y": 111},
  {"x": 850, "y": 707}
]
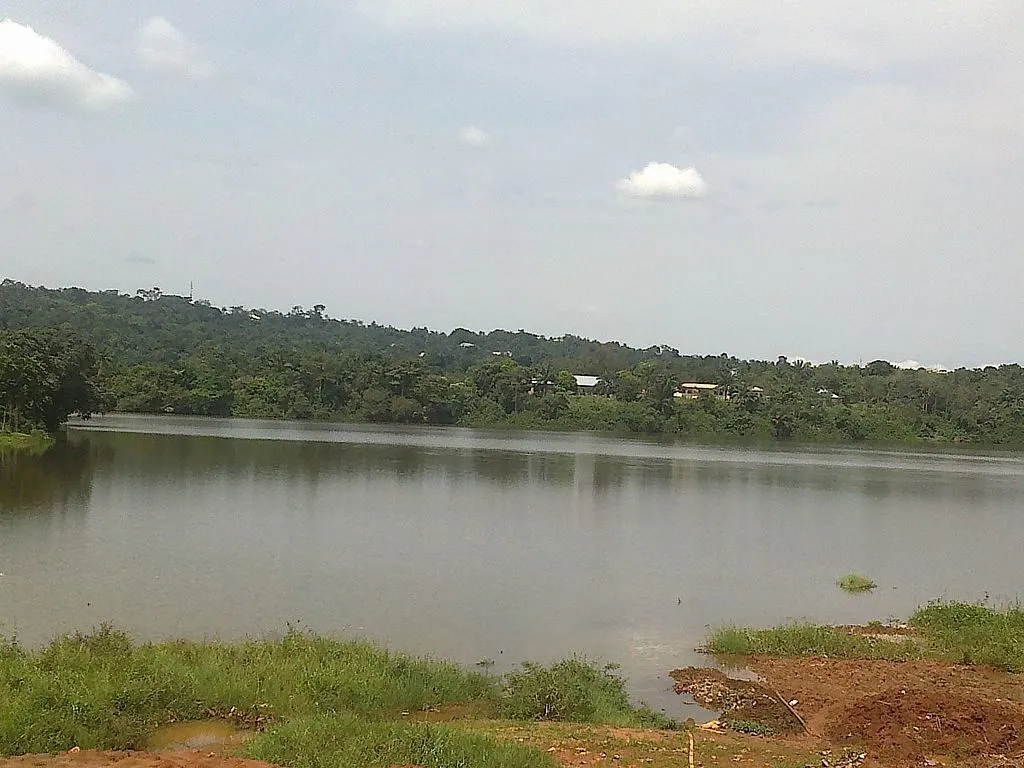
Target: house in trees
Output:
[
  {"x": 586, "y": 385},
  {"x": 541, "y": 387},
  {"x": 693, "y": 390}
]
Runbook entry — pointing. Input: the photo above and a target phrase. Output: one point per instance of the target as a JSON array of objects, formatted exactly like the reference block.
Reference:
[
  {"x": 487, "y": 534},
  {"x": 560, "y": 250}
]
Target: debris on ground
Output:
[{"x": 745, "y": 705}]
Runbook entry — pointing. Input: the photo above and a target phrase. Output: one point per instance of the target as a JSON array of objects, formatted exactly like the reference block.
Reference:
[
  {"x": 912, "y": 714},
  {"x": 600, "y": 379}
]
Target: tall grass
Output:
[
  {"x": 808, "y": 640},
  {"x": 964, "y": 633},
  {"x": 100, "y": 690},
  {"x": 974, "y": 633},
  {"x": 326, "y": 702}
]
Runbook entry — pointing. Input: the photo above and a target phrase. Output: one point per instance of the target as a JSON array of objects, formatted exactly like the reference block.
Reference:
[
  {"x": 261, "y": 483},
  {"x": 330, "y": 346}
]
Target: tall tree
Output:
[{"x": 45, "y": 377}]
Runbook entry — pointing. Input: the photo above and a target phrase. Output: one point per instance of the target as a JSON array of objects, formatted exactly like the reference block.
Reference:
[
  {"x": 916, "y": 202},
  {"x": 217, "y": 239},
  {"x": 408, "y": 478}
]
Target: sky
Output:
[{"x": 820, "y": 180}]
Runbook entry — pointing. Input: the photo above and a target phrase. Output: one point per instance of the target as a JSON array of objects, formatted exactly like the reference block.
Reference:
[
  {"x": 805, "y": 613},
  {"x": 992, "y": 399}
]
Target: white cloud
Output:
[
  {"x": 472, "y": 136},
  {"x": 36, "y": 69},
  {"x": 663, "y": 180},
  {"x": 163, "y": 48}
]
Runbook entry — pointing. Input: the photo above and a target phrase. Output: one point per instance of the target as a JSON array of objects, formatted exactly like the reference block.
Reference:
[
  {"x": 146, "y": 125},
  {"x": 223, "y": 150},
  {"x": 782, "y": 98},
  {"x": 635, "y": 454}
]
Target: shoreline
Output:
[
  {"x": 926, "y": 692},
  {"x": 922, "y": 448},
  {"x": 35, "y": 442}
]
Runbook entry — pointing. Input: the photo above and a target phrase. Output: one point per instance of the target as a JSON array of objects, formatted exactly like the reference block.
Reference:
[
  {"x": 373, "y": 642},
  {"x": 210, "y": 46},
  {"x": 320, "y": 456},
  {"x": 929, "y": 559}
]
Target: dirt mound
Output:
[
  {"x": 920, "y": 721},
  {"x": 98, "y": 759},
  {"x": 745, "y": 704}
]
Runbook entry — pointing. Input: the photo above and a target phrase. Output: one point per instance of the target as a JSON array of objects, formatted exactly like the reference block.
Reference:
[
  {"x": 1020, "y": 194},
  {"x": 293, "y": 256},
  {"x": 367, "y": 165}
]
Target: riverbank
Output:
[
  {"x": 308, "y": 702},
  {"x": 36, "y": 442},
  {"x": 945, "y": 688}
]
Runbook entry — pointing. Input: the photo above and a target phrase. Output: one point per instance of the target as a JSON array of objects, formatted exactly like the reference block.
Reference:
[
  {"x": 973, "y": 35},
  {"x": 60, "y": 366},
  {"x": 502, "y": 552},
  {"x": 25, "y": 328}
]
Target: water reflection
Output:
[
  {"x": 59, "y": 479},
  {"x": 170, "y": 459},
  {"x": 472, "y": 544}
]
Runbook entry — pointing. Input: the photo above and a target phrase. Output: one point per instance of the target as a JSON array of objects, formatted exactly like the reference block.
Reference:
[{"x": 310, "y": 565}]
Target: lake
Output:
[{"x": 474, "y": 544}]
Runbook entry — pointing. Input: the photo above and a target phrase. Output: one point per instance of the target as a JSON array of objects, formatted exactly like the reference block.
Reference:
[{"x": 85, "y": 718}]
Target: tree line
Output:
[{"x": 154, "y": 353}]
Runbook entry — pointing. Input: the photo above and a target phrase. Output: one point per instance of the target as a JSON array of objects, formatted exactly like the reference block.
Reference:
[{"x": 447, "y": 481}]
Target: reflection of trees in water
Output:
[
  {"x": 178, "y": 459},
  {"x": 872, "y": 482},
  {"x": 192, "y": 459},
  {"x": 58, "y": 479}
]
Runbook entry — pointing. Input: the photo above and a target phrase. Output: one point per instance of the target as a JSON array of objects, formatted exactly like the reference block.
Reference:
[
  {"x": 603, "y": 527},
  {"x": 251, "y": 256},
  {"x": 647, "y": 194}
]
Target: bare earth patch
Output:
[{"x": 906, "y": 713}]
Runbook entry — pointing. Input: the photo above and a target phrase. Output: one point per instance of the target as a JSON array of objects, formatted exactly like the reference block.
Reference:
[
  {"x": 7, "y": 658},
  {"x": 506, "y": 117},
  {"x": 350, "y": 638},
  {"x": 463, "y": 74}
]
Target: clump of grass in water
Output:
[{"x": 855, "y": 583}]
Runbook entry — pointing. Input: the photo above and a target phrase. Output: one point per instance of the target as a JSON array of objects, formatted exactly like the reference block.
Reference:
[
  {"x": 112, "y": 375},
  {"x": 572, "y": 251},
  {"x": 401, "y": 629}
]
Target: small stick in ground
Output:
[{"x": 793, "y": 711}]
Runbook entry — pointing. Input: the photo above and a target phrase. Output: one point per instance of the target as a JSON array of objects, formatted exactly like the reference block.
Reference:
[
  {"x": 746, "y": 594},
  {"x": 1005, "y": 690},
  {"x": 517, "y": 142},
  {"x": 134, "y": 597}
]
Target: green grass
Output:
[
  {"x": 808, "y": 640},
  {"x": 36, "y": 442},
  {"x": 573, "y": 690},
  {"x": 965, "y": 633},
  {"x": 323, "y": 701},
  {"x": 751, "y": 728},
  {"x": 331, "y": 740},
  {"x": 100, "y": 690},
  {"x": 974, "y": 633},
  {"x": 854, "y": 583}
]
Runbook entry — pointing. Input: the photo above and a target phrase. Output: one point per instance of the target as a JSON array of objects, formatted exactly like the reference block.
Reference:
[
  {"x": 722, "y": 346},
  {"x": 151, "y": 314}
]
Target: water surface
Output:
[{"x": 475, "y": 545}]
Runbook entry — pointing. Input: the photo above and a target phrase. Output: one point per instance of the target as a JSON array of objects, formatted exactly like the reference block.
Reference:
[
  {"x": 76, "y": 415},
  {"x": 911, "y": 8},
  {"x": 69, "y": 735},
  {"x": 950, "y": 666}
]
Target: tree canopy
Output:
[
  {"x": 45, "y": 376},
  {"x": 156, "y": 353}
]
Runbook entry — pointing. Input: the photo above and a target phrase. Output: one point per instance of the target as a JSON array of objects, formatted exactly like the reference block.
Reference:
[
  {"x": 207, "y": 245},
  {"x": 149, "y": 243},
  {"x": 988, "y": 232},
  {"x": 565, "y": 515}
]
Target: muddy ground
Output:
[{"x": 895, "y": 713}]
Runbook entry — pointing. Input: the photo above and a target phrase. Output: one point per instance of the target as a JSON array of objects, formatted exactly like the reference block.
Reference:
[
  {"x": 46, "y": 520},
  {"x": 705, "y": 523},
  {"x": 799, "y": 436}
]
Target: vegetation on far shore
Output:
[
  {"x": 317, "y": 702},
  {"x": 963, "y": 633},
  {"x": 34, "y": 442},
  {"x": 854, "y": 583},
  {"x": 156, "y": 353}
]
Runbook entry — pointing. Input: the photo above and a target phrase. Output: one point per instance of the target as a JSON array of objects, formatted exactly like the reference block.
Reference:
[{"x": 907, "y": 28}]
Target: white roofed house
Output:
[{"x": 587, "y": 385}]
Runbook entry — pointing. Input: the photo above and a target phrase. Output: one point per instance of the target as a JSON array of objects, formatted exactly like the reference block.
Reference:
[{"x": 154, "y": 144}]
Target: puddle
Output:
[{"x": 205, "y": 734}]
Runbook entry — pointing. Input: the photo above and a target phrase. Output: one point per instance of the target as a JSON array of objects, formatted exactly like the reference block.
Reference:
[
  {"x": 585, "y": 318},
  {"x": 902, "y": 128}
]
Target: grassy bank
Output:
[
  {"x": 36, "y": 442},
  {"x": 959, "y": 632},
  {"x": 316, "y": 701}
]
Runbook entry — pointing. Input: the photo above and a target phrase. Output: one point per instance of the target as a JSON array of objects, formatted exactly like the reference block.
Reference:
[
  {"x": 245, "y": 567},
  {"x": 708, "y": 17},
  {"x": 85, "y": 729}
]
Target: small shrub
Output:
[
  {"x": 751, "y": 727},
  {"x": 573, "y": 690}
]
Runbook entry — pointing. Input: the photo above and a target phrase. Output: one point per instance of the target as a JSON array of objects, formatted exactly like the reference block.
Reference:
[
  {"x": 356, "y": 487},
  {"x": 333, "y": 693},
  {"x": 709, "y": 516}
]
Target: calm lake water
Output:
[{"x": 472, "y": 544}]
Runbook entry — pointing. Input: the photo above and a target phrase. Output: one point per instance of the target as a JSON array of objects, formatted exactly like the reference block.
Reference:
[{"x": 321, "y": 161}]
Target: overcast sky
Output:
[{"x": 826, "y": 180}]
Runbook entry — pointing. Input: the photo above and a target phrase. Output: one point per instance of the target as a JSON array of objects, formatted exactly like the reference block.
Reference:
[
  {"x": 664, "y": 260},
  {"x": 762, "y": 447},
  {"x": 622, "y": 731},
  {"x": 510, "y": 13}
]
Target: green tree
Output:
[{"x": 45, "y": 377}]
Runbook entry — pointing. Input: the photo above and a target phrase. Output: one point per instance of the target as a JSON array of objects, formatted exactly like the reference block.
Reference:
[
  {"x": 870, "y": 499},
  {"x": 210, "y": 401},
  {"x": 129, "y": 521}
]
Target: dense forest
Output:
[{"x": 157, "y": 353}]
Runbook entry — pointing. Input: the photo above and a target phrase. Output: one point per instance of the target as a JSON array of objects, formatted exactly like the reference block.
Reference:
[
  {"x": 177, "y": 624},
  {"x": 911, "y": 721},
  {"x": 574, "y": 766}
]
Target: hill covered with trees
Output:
[{"x": 157, "y": 353}]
